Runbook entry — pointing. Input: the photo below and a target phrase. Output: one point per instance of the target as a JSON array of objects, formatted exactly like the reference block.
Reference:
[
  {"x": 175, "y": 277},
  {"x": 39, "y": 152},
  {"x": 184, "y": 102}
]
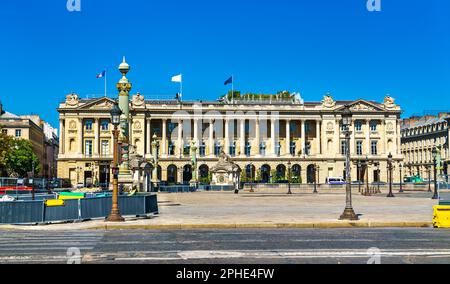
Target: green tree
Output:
[
  {"x": 20, "y": 159},
  {"x": 5, "y": 147}
]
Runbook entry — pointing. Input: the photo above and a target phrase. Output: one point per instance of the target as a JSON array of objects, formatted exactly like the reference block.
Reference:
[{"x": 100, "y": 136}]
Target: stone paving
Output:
[{"x": 271, "y": 209}]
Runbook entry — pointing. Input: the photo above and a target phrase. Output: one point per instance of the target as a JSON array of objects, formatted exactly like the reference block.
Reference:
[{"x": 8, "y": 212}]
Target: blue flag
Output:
[{"x": 229, "y": 81}]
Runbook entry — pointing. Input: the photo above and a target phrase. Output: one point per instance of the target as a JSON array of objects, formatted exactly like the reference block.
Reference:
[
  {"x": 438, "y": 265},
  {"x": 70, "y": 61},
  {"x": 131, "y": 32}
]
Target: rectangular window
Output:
[
  {"x": 358, "y": 126},
  {"x": 262, "y": 149},
  {"x": 248, "y": 149},
  {"x": 202, "y": 149},
  {"x": 104, "y": 125},
  {"x": 88, "y": 148},
  {"x": 187, "y": 150},
  {"x": 292, "y": 149},
  {"x": 217, "y": 149},
  {"x": 359, "y": 148},
  {"x": 18, "y": 133},
  {"x": 105, "y": 148},
  {"x": 5, "y": 131},
  {"x": 88, "y": 125},
  {"x": 233, "y": 150},
  {"x": 373, "y": 126},
  {"x": 171, "y": 148},
  {"x": 343, "y": 152},
  {"x": 374, "y": 147}
]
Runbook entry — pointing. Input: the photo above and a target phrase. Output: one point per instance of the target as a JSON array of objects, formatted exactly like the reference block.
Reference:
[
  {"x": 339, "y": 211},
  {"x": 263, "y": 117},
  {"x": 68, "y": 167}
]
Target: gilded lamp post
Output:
[
  {"x": 124, "y": 87},
  {"x": 349, "y": 213}
]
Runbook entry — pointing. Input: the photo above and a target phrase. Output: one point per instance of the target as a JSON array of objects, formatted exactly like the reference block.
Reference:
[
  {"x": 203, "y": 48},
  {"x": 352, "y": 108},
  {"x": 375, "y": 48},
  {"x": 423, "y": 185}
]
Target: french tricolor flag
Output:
[{"x": 101, "y": 75}]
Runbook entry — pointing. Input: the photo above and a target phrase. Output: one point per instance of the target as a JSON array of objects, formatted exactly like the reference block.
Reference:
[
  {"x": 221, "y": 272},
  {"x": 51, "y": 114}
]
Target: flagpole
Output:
[
  {"x": 181, "y": 88},
  {"x": 232, "y": 88},
  {"x": 105, "y": 84}
]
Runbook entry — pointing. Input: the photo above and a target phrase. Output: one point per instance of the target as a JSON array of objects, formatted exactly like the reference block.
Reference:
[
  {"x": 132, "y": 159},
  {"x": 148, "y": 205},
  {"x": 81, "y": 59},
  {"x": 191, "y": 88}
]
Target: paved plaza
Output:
[{"x": 271, "y": 209}]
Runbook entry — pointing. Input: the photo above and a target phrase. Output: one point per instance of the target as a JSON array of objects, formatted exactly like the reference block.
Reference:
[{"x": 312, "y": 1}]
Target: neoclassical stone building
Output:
[
  {"x": 419, "y": 136},
  {"x": 261, "y": 135}
]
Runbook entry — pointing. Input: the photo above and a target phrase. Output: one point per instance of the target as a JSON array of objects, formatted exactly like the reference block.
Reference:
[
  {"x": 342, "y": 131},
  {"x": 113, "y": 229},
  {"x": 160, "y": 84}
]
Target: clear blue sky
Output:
[{"x": 309, "y": 46}]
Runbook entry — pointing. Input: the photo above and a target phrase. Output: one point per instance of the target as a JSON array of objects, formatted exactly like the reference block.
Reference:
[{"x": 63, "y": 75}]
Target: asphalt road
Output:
[{"x": 228, "y": 246}]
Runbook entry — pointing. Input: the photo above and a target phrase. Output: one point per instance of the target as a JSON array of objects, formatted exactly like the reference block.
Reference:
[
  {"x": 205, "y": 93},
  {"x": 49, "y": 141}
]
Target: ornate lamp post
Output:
[
  {"x": 115, "y": 216},
  {"x": 349, "y": 213},
  {"x": 315, "y": 179},
  {"x": 289, "y": 177},
  {"x": 429, "y": 178},
  {"x": 318, "y": 177},
  {"x": 359, "y": 165},
  {"x": 401, "y": 178},
  {"x": 378, "y": 176},
  {"x": 155, "y": 150},
  {"x": 251, "y": 177},
  {"x": 434, "y": 153},
  {"x": 390, "y": 175}
]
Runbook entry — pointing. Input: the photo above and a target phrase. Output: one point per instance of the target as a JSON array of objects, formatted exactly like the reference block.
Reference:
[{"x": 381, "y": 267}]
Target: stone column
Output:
[
  {"x": 257, "y": 135},
  {"x": 368, "y": 152},
  {"x": 180, "y": 137},
  {"x": 97, "y": 137},
  {"x": 80, "y": 136},
  {"x": 62, "y": 136},
  {"x": 211, "y": 138},
  {"x": 319, "y": 150},
  {"x": 196, "y": 140},
  {"x": 227, "y": 136},
  {"x": 272, "y": 136},
  {"x": 242, "y": 140},
  {"x": 352, "y": 138},
  {"x": 288, "y": 137},
  {"x": 164, "y": 137},
  {"x": 149, "y": 137}
]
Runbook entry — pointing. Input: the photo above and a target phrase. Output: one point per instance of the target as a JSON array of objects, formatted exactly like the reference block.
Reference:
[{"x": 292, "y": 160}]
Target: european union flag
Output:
[{"x": 229, "y": 81}]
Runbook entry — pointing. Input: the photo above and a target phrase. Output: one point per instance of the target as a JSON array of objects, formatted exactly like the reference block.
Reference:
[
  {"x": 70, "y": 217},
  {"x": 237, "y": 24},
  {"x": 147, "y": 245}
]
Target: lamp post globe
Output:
[{"x": 115, "y": 115}]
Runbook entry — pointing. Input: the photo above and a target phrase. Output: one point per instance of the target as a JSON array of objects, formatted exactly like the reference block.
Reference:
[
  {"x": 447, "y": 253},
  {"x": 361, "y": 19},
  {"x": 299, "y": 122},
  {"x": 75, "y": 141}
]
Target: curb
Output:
[{"x": 322, "y": 225}]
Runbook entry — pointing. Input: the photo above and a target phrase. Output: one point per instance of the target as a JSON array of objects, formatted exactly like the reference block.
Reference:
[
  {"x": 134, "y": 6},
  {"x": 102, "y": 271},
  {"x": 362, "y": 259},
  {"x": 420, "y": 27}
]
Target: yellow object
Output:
[
  {"x": 441, "y": 217},
  {"x": 54, "y": 202},
  {"x": 69, "y": 197}
]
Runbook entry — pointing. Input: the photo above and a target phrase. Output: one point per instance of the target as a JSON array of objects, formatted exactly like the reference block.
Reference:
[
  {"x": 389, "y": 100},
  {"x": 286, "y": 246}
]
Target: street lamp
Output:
[
  {"x": 359, "y": 169},
  {"x": 429, "y": 178},
  {"x": 390, "y": 175},
  {"x": 115, "y": 216},
  {"x": 289, "y": 177},
  {"x": 435, "y": 195},
  {"x": 349, "y": 213},
  {"x": 315, "y": 179},
  {"x": 378, "y": 177},
  {"x": 251, "y": 177},
  {"x": 401, "y": 178}
]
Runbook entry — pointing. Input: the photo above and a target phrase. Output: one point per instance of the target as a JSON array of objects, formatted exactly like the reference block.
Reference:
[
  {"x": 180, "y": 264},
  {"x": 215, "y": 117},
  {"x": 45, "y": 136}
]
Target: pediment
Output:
[
  {"x": 99, "y": 104},
  {"x": 362, "y": 106}
]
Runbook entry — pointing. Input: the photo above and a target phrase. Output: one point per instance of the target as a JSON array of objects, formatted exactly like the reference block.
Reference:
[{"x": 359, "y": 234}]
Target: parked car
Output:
[{"x": 335, "y": 180}]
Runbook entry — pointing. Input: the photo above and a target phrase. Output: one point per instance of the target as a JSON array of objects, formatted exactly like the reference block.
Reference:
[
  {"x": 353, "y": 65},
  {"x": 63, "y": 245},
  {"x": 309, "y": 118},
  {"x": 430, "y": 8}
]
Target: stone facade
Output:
[
  {"x": 257, "y": 133},
  {"x": 419, "y": 136},
  {"x": 42, "y": 136}
]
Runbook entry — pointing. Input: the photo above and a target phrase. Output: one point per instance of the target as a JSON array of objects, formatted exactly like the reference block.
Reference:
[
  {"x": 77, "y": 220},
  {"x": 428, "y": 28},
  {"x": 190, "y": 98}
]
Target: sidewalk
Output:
[{"x": 269, "y": 210}]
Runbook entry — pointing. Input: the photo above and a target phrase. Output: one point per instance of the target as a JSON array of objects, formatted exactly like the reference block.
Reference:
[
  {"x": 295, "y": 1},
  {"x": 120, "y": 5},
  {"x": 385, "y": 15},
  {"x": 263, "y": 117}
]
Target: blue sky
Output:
[{"x": 309, "y": 46}]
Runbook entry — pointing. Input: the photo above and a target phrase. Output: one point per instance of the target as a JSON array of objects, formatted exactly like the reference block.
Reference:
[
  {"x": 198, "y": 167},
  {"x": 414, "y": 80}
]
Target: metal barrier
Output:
[
  {"x": 177, "y": 188},
  {"x": 216, "y": 187},
  {"x": 31, "y": 212}
]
